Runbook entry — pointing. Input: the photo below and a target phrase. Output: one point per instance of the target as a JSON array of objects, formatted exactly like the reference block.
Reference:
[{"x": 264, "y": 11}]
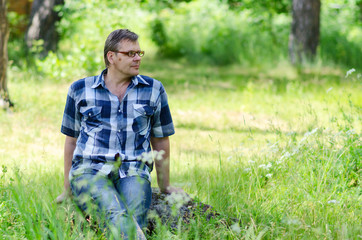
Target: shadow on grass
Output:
[
  {"x": 178, "y": 75},
  {"x": 235, "y": 129}
]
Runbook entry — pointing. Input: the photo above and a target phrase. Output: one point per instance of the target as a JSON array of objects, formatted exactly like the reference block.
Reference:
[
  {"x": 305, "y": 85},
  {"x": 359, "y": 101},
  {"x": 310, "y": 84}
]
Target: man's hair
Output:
[{"x": 113, "y": 41}]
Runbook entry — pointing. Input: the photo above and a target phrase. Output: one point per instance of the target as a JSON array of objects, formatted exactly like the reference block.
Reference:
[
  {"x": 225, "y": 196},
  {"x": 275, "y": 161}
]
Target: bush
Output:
[
  {"x": 209, "y": 31},
  {"x": 341, "y": 34},
  {"x": 205, "y": 31},
  {"x": 84, "y": 28}
]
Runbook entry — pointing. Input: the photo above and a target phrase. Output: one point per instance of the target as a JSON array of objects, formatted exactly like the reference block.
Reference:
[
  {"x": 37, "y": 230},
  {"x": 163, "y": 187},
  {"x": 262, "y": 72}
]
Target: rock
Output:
[{"x": 170, "y": 208}]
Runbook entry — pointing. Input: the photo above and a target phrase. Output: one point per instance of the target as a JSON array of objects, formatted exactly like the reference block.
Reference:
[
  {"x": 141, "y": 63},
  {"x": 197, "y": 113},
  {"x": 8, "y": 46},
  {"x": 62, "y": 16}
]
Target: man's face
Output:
[{"x": 124, "y": 64}]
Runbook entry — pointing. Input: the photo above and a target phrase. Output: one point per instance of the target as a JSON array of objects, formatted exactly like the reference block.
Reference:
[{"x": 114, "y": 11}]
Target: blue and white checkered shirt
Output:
[{"x": 106, "y": 128}]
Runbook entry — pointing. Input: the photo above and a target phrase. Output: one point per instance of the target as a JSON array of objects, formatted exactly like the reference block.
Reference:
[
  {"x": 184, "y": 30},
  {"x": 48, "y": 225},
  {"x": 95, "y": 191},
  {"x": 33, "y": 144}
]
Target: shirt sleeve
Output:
[
  {"x": 162, "y": 125},
  {"x": 71, "y": 117}
]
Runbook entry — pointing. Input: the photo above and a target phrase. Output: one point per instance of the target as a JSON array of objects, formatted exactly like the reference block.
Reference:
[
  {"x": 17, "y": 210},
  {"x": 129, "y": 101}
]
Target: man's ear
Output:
[{"x": 110, "y": 56}]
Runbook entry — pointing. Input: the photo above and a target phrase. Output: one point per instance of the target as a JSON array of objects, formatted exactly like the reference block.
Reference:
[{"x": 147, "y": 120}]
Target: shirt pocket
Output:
[
  {"x": 142, "y": 118},
  {"x": 91, "y": 118}
]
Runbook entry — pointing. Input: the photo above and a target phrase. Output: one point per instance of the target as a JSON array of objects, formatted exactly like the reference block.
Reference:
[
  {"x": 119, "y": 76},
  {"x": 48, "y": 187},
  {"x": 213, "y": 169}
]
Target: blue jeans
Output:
[{"x": 120, "y": 204}]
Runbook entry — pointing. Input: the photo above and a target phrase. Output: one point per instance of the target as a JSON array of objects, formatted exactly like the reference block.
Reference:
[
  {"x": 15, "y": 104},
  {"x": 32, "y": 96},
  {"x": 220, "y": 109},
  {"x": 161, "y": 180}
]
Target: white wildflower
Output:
[
  {"x": 266, "y": 167},
  {"x": 269, "y": 175},
  {"x": 262, "y": 166},
  {"x": 178, "y": 199},
  {"x": 333, "y": 201},
  {"x": 247, "y": 170},
  {"x": 294, "y": 222},
  {"x": 236, "y": 228},
  {"x": 311, "y": 132},
  {"x": 159, "y": 154},
  {"x": 351, "y": 132},
  {"x": 280, "y": 161},
  {"x": 303, "y": 139},
  {"x": 349, "y": 72},
  {"x": 286, "y": 155},
  {"x": 146, "y": 157},
  {"x": 132, "y": 172},
  {"x": 291, "y": 221}
]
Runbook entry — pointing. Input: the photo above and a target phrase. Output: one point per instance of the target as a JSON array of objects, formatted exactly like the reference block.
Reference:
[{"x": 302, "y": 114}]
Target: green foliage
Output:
[
  {"x": 16, "y": 44},
  {"x": 257, "y": 33},
  {"x": 84, "y": 27},
  {"x": 209, "y": 31},
  {"x": 281, "y": 6},
  {"x": 340, "y": 35},
  {"x": 217, "y": 32}
]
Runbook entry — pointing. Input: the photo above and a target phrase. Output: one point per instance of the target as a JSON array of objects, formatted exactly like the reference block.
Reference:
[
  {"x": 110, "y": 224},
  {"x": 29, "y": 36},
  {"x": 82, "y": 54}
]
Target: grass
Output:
[{"x": 275, "y": 148}]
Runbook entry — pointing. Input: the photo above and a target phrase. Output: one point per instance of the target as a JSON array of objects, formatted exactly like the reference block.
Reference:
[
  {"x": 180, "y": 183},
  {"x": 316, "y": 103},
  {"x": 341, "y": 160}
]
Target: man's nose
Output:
[{"x": 137, "y": 58}]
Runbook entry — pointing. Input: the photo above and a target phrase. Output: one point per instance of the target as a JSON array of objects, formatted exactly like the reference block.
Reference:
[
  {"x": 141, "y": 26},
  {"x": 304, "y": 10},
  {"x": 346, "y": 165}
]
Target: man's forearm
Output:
[
  {"x": 69, "y": 146},
  {"x": 163, "y": 164},
  {"x": 163, "y": 173}
]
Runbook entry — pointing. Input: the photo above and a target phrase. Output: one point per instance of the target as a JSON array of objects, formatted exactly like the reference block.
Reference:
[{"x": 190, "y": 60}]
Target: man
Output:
[{"x": 110, "y": 122}]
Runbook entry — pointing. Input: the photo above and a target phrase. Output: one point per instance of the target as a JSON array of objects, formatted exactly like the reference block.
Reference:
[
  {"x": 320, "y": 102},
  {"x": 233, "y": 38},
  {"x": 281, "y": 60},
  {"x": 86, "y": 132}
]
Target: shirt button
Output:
[
  {"x": 89, "y": 114},
  {"x": 119, "y": 110},
  {"x": 119, "y": 131}
]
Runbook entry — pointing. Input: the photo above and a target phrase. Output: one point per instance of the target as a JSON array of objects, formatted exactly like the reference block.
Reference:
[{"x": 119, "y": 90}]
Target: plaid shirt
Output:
[{"x": 106, "y": 128}]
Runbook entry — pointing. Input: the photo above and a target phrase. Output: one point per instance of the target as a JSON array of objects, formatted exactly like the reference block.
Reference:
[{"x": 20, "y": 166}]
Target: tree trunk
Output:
[
  {"x": 42, "y": 25},
  {"x": 4, "y": 36},
  {"x": 304, "y": 35}
]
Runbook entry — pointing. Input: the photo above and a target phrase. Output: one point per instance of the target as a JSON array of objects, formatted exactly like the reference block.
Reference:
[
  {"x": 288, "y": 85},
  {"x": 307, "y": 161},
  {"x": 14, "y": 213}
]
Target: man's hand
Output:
[
  {"x": 69, "y": 146},
  {"x": 171, "y": 189},
  {"x": 62, "y": 197}
]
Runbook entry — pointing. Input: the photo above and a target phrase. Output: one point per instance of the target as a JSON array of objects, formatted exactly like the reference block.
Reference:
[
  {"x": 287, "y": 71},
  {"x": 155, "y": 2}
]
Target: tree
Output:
[
  {"x": 359, "y": 6},
  {"x": 304, "y": 35},
  {"x": 4, "y": 36},
  {"x": 42, "y": 25}
]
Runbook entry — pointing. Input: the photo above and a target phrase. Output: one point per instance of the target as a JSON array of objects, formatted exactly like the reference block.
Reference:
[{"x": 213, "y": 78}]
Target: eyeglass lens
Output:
[{"x": 133, "y": 53}]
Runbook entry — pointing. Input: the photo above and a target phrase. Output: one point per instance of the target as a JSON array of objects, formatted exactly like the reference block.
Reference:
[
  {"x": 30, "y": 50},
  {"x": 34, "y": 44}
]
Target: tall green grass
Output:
[{"x": 275, "y": 148}]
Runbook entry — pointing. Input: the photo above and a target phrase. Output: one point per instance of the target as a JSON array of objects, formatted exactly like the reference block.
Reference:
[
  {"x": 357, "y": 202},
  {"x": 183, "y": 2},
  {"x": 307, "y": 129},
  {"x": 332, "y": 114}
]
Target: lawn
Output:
[{"x": 277, "y": 148}]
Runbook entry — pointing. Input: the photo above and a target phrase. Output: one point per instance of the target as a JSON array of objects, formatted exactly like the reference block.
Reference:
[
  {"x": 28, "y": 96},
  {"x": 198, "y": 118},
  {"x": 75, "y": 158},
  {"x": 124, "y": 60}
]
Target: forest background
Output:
[{"x": 272, "y": 144}]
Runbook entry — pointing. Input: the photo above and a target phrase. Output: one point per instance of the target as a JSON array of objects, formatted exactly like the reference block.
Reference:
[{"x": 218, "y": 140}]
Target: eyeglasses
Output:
[{"x": 132, "y": 53}]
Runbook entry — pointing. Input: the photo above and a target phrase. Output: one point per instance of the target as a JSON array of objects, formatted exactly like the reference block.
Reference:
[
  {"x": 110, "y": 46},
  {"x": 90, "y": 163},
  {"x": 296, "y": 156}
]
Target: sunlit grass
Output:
[{"x": 277, "y": 149}]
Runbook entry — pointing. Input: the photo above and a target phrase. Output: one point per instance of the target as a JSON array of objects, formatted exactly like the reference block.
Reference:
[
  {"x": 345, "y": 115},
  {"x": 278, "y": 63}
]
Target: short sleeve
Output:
[
  {"x": 71, "y": 117},
  {"x": 162, "y": 125}
]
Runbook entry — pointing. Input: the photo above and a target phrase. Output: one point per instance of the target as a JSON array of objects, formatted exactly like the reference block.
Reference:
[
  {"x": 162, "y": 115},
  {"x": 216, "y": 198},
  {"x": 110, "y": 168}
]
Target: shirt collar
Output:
[
  {"x": 100, "y": 80},
  {"x": 139, "y": 80}
]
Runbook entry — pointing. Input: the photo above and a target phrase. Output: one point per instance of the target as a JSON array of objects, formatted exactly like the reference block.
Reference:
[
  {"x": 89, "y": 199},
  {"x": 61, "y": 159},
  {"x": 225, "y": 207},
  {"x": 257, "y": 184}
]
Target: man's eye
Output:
[{"x": 131, "y": 53}]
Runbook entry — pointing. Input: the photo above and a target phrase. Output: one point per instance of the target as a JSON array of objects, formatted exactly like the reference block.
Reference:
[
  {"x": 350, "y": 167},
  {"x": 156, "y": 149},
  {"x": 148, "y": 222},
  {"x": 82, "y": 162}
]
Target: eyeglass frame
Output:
[{"x": 139, "y": 53}]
